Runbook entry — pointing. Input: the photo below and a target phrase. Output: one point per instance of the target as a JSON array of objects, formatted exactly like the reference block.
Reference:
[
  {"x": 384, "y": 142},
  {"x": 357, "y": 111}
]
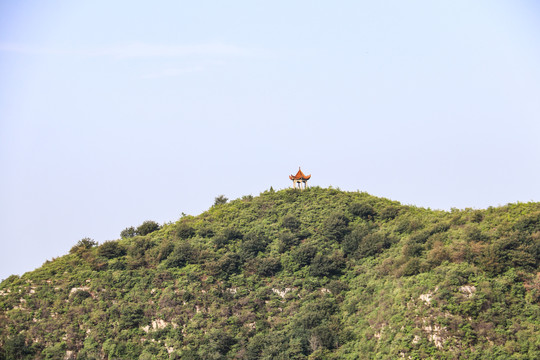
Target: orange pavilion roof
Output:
[{"x": 299, "y": 176}]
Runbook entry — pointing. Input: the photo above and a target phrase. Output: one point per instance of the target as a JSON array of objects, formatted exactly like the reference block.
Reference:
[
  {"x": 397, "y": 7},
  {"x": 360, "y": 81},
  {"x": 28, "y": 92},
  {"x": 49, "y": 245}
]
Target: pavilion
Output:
[{"x": 299, "y": 179}]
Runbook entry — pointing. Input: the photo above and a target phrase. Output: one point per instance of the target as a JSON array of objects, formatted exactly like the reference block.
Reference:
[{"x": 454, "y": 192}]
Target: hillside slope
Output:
[{"x": 318, "y": 274}]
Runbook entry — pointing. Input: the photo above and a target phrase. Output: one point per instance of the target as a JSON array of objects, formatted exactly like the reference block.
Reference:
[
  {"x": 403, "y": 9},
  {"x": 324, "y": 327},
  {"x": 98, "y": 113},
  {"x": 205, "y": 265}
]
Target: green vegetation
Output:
[{"x": 313, "y": 274}]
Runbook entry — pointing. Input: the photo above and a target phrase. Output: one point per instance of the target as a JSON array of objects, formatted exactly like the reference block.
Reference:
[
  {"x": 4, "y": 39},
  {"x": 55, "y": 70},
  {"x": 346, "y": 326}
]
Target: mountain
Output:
[{"x": 312, "y": 274}]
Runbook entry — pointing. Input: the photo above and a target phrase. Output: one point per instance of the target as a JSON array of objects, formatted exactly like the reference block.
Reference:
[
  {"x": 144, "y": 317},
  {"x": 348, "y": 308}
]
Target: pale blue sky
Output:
[{"x": 115, "y": 112}]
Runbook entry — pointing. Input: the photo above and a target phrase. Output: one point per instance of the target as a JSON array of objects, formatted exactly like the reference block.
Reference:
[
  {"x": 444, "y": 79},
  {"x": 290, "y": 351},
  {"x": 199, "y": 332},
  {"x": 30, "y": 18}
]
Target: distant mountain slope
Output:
[{"x": 318, "y": 274}]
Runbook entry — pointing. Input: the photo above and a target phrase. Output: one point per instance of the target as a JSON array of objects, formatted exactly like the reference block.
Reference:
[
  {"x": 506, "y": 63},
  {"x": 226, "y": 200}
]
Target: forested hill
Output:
[{"x": 313, "y": 274}]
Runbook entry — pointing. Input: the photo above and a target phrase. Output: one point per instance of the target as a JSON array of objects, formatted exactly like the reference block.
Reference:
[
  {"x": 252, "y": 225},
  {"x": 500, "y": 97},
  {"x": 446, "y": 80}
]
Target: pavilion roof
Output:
[{"x": 299, "y": 176}]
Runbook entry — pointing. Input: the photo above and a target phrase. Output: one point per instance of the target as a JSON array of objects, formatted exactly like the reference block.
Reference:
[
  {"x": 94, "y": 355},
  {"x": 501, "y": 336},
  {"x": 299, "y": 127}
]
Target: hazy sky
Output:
[{"x": 115, "y": 112}]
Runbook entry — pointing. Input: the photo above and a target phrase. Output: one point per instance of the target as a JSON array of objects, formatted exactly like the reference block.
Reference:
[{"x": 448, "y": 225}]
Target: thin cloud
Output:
[{"x": 134, "y": 50}]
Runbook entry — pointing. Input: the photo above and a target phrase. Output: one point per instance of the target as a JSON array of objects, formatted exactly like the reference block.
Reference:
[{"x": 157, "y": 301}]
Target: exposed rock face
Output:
[
  {"x": 283, "y": 292},
  {"x": 468, "y": 290}
]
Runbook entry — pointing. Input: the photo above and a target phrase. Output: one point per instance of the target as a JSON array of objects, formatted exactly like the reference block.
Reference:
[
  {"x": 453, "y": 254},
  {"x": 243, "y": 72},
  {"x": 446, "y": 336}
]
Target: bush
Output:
[
  {"x": 304, "y": 254},
  {"x": 183, "y": 254},
  {"x": 268, "y": 266},
  {"x": 117, "y": 264},
  {"x": 336, "y": 227},
  {"x": 290, "y": 222},
  {"x": 131, "y": 317},
  {"x": 164, "y": 250},
  {"x": 137, "y": 251},
  {"x": 528, "y": 224},
  {"x": 206, "y": 231},
  {"x": 147, "y": 227},
  {"x": 412, "y": 267},
  {"x": 82, "y": 245},
  {"x": 128, "y": 232},
  {"x": 111, "y": 250},
  {"x": 352, "y": 240},
  {"x": 228, "y": 235},
  {"x": 232, "y": 233},
  {"x": 412, "y": 249},
  {"x": 139, "y": 246},
  {"x": 185, "y": 231},
  {"x": 16, "y": 347},
  {"x": 323, "y": 265},
  {"x": 363, "y": 210},
  {"x": 252, "y": 245},
  {"x": 10, "y": 280},
  {"x": 220, "y": 241},
  {"x": 79, "y": 296},
  {"x": 220, "y": 200},
  {"x": 373, "y": 244},
  {"x": 229, "y": 264},
  {"x": 389, "y": 213},
  {"x": 287, "y": 240}
]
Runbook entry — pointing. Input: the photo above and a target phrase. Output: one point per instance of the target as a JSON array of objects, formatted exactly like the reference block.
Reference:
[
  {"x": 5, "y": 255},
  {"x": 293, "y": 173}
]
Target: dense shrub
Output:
[
  {"x": 164, "y": 250},
  {"x": 220, "y": 241},
  {"x": 509, "y": 251},
  {"x": 335, "y": 227},
  {"x": 304, "y": 254},
  {"x": 206, "y": 231},
  {"x": 131, "y": 316},
  {"x": 226, "y": 265},
  {"x": 268, "y": 266},
  {"x": 185, "y": 230},
  {"x": 128, "y": 232},
  {"x": 117, "y": 264},
  {"x": 473, "y": 233},
  {"x": 137, "y": 251},
  {"x": 220, "y": 200},
  {"x": 252, "y": 245},
  {"x": 373, "y": 244},
  {"x": 183, "y": 254},
  {"x": 412, "y": 267},
  {"x": 287, "y": 240},
  {"x": 232, "y": 233},
  {"x": 324, "y": 265},
  {"x": 139, "y": 246},
  {"x": 227, "y": 236},
  {"x": 412, "y": 249},
  {"x": 11, "y": 280},
  {"x": 79, "y": 296},
  {"x": 82, "y": 245},
  {"x": 290, "y": 222},
  {"x": 16, "y": 347},
  {"x": 528, "y": 224},
  {"x": 111, "y": 250},
  {"x": 389, "y": 212},
  {"x": 147, "y": 227},
  {"x": 362, "y": 210},
  {"x": 352, "y": 240}
]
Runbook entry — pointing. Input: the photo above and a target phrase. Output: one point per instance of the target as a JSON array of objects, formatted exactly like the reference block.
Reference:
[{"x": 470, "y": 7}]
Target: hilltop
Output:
[{"x": 318, "y": 274}]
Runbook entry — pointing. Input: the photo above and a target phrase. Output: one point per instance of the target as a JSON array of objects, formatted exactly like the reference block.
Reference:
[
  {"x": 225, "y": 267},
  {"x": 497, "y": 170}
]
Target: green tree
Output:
[
  {"x": 183, "y": 254},
  {"x": 82, "y": 245},
  {"x": 147, "y": 227},
  {"x": 220, "y": 200},
  {"x": 252, "y": 245},
  {"x": 128, "y": 232},
  {"x": 336, "y": 226},
  {"x": 268, "y": 266},
  {"x": 363, "y": 210},
  {"x": 290, "y": 222},
  {"x": 111, "y": 250}
]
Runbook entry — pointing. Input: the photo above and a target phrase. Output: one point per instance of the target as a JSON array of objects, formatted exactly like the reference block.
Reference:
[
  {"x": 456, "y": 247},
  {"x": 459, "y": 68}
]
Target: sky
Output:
[{"x": 117, "y": 112}]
